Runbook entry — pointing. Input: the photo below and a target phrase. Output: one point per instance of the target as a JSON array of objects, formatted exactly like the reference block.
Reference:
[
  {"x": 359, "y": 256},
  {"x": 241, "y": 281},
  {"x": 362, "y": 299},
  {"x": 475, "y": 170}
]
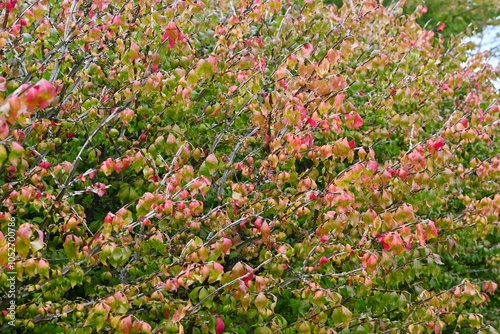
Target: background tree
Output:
[
  {"x": 255, "y": 166},
  {"x": 457, "y": 15}
]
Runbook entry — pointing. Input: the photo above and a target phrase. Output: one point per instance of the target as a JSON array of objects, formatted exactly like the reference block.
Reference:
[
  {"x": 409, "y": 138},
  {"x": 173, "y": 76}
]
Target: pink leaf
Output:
[
  {"x": 369, "y": 261},
  {"x": 334, "y": 56},
  {"x": 339, "y": 98},
  {"x": 226, "y": 245},
  {"x": 265, "y": 230},
  {"x": 373, "y": 166},
  {"x": 4, "y": 128},
  {"x": 217, "y": 266},
  {"x": 307, "y": 50},
  {"x": 99, "y": 189},
  {"x": 117, "y": 21},
  {"x": 41, "y": 95},
  {"x": 358, "y": 121},
  {"x": 481, "y": 115},
  {"x": 134, "y": 47},
  {"x": 464, "y": 122},
  {"x": 172, "y": 34},
  {"x": 421, "y": 235},
  {"x": 24, "y": 232},
  {"x": 392, "y": 241},
  {"x": 353, "y": 120},
  {"x": 3, "y": 84},
  {"x": 433, "y": 229},
  {"x": 303, "y": 112}
]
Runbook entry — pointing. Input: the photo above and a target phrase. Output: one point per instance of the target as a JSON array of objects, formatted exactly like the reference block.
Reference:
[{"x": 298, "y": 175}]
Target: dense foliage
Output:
[{"x": 244, "y": 166}]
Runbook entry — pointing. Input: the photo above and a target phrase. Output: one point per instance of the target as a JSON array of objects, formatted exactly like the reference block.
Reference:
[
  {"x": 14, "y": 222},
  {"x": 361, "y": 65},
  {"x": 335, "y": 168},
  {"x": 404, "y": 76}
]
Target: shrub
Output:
[{"x": 248, "y": 166}]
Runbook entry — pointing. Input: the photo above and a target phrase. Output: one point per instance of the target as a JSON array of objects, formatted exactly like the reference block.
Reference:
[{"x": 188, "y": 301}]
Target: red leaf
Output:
[
  {"x": 44, "y": 165},
  {"x": 10, "y": 5},
  {"x": 352, "y": 144},
  {"x": 439, "y": 143},
  {"x": 283, "y": 84},
  {"x": 312, "y": 122},
  {"x": 219, "y": 325},
  {"x": 383, "y": 242}
]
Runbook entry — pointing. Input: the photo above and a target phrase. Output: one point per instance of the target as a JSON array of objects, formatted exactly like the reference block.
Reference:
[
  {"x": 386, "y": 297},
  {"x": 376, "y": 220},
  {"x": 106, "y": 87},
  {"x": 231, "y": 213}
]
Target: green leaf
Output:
[{"x": 341, "y": 315}]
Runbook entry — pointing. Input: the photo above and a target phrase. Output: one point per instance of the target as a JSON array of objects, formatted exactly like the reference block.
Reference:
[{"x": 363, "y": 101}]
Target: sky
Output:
[{"x": 489, "y": 40}]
